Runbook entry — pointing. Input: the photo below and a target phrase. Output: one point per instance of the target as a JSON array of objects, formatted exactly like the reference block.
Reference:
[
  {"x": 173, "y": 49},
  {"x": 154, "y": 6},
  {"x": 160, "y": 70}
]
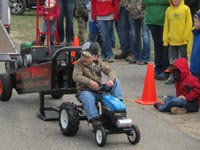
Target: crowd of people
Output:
[{"x": 168, "y": 22}]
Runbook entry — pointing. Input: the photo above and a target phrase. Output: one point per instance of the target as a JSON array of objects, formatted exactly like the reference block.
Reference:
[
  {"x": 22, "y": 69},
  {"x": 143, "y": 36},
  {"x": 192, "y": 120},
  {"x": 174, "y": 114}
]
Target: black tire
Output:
[
  {"x": 100, "y": 136},
  {"x": 56, "y": 95},
  {"x": 69, "y": 119},
  {"x": 5, "y": 87},
  {"x": 134, "y": 135},
  {"x": 17, "y": 7}
]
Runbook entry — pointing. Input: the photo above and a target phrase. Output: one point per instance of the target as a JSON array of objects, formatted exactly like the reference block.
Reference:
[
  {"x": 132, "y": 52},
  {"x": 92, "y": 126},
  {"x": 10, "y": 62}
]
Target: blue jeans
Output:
[
  {"x": 173, "y": 101},
  {"x": 88, "y": 99},
  {"x": 66, "y": 11},
  {"x": 123, "y": 26},
  {"x": 52, "y": 29},
  {"x": 105, "y": 30},
  {"x": 161, "y": 59},
  {"x": 94, "y": 35},
  {"x": 141, "y": 46}
]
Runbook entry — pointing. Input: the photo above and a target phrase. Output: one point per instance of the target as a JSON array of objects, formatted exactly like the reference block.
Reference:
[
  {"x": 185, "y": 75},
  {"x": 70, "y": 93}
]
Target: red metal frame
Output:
[{"x": 48, "y": 33}]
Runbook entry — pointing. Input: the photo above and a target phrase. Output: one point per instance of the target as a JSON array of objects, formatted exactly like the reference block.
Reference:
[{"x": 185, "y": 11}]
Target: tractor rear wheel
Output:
[{"x": 5, "y": 87}]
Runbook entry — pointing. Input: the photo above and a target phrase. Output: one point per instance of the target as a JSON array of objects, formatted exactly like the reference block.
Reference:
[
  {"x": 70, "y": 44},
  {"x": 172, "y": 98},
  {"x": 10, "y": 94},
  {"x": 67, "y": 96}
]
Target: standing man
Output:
[
  {"x": 154, "y": 18},
  {"x": 66, "y": 11}
]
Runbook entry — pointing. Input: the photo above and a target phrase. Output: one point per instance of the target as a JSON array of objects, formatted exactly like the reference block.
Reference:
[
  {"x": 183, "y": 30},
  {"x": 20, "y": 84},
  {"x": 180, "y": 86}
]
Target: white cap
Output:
[{"x": 50, "y": 3}]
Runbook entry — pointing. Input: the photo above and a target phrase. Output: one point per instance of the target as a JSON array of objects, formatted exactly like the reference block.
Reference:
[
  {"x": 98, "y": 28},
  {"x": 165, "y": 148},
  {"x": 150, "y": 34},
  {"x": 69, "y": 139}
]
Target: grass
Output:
[{"x": 23, "y": 27}]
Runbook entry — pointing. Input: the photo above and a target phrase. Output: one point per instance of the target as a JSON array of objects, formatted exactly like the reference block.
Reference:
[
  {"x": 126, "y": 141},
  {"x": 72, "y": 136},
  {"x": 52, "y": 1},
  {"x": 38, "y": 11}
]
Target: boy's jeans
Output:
[
  {"x": 52, "y": 29},
  {"x": 88, "y": 99},
  {"x": 173, "y": 101}
]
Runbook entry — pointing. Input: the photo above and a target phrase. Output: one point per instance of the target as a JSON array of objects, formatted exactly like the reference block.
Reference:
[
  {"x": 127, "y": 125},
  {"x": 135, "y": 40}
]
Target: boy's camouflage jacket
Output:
[
  {"x": 135, "y": 8},
  {"x": 81, "y": 10}
]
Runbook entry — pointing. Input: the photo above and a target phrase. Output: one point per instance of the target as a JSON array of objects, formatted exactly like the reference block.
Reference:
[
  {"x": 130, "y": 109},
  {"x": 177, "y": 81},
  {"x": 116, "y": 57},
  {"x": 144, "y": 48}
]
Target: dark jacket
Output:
[
  {"x": 81, "y": 9},
  {"x": 194, "y": 5},
  {"x": 83, "y": 74},
  {"x": 188, "y": 86}
]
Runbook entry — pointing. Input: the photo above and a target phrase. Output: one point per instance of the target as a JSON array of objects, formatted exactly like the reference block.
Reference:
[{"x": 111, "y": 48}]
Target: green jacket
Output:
[
  {"x": 155, "y": 11},
  {"x": 83, "y": 74}
]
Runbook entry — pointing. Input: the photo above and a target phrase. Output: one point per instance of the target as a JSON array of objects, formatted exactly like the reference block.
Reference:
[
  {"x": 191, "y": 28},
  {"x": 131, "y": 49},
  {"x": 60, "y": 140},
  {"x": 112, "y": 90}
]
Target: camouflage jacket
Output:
[
  {"x": 81, "y": 9},
  {"x": 135, "y": 8}
]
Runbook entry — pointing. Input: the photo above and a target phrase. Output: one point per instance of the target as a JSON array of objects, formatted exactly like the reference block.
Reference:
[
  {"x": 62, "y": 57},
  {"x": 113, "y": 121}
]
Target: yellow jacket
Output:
[{"x": 178, "y": 25}]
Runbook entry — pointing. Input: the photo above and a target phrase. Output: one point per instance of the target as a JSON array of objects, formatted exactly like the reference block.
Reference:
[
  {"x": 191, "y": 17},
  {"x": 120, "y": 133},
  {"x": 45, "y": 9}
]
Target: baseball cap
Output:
[
  {"x": 89, "y": 48},
  {"x": 197, "y": 14}
]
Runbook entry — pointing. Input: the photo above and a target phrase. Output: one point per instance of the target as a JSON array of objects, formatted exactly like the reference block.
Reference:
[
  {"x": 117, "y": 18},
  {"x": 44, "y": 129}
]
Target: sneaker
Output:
[
  {"x": 156, "y": 105},
  {"x": 121, "y": 56},
  {"x": 110, "y": 60},
  {"x": 142, "y": 63},
  {"x": 103, "y": 58},
  {"x": 129, "y": 57},
  {"x": 161, "y": 76},
  {"x": 132, "y": 61},
  {"x": 169, "y": 81},
  {"x": 178, "y": 110}
]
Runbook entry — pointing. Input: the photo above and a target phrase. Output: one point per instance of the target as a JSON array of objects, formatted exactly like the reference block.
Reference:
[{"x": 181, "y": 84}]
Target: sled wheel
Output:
[
  {"x": 100, "y": 136},
  {"x": 134, "y": 134},
  {"x": 5, "y": 87},
  {"x": 69, "y": 119},
  {"x": 56, "y": 95}
]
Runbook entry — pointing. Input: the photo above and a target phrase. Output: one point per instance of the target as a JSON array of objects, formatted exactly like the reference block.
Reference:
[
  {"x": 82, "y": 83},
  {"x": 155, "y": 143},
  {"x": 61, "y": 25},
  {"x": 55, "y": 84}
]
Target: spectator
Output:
[
  {"x": 50, "y": 12},
  {"x": 66, "y": 12},
  {"x": 123, "y": 26},
  {"x": 93, "y": 35},
  {"x": 187, "y": 97},
  {"x": 141, "y": 45},
  {"x": 194, "y": 5},
  {"x": 195, "y": 61},
  {"x": 87, "y": 75},
  {"x": 81, "y": 14},
  {"x": 104, "y": 13},
  {"x": 154, "y": 17},
  {"x": 177, "y": 28}
]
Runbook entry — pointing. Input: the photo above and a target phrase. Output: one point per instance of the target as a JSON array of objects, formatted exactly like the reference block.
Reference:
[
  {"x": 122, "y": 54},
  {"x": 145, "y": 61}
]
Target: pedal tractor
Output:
[{"x": 112, "y": 115}]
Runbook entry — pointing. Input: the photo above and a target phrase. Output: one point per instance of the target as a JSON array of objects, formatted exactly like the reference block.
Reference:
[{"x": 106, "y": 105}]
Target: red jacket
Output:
[
  {"x": 104, "y": 8},
  {"x": 189, "y": 85},
  {"x": 49, "y": 12}
]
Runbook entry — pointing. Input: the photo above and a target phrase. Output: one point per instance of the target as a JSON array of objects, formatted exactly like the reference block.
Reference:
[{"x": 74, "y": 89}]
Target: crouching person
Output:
[
  {"x": 88, "y": 77},
  {"x": 187, "y": 86}
]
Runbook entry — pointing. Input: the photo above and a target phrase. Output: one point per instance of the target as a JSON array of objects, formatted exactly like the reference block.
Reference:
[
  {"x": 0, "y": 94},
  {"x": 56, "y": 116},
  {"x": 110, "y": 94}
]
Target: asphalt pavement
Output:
[{"x": 21, "y": 129}]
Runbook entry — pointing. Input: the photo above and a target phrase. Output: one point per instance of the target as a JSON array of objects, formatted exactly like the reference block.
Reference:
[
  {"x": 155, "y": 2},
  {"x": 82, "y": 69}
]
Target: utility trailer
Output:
[{"x": 46, "y": 70}]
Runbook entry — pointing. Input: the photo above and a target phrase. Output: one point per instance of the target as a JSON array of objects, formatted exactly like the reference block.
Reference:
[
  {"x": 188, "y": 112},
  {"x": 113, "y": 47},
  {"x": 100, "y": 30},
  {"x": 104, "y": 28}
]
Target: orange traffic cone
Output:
[
  {"x": 75, "y": 43},
  {"x": 149, "y": 92}
]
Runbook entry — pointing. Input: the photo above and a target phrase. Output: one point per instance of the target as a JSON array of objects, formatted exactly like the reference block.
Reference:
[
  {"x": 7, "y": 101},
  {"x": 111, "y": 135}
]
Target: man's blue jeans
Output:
[
  {"x": 88, "y": 99},
  {"x": 123, "y": 26},
  {"x": 66, "y": 11},
  {"x": 173, "y": 101},
  {"x": 141, "y": 46},
  {"x": 105, "y": 30}
]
